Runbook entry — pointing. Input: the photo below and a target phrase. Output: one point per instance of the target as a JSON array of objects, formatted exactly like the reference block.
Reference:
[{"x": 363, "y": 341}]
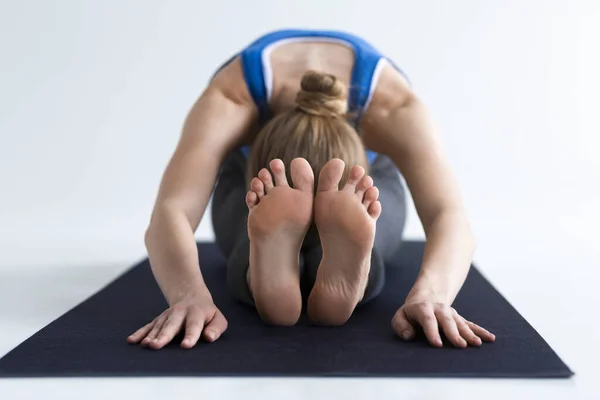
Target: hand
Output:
[
  {"x": 433, "y": 316},
  {"x": 197, "y": 315}
]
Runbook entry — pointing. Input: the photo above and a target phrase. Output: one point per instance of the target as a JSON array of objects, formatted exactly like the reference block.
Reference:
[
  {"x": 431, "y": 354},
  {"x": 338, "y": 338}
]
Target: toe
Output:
[
  {"x": 330, "y": 176},
  {"x": 265, "y": 176},
  {"x": 278, "y": 169},
  {"x": 258, "y": 187},
  {"x": 365, "y": 183},
  {"x": 375, "y": 209},
  {"x": 371, "y": 195},
  {"x": 302, "y": 175},
  {"x": 251, "y": 199},
  {"x": 356, "y": 174}
]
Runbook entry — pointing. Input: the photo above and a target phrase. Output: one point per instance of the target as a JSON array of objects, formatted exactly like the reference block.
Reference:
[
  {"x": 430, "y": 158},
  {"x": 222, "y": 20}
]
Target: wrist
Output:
[
  {"x": 195, "y": 291},
  {"x": 427, "y": 291},
  {"x": 430, "y": 296}
]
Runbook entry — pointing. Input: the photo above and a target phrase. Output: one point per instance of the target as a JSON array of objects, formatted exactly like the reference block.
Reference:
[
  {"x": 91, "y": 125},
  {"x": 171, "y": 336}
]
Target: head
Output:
[{"x": 315, "y": 129}]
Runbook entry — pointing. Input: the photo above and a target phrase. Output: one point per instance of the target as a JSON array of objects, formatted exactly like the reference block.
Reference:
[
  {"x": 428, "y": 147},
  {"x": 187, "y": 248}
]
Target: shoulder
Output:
[
  {"x": 230, "y": 82},
  {"x": 392, "y": 91}
]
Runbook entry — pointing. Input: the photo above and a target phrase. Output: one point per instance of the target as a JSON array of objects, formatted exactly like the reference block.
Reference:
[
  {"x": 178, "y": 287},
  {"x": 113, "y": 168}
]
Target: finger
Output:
[
  {"x": 215, "y": 328},
  {"x": 448, "y": 324},
  {"x": 193, "y": 328},
  {"x": 430, "y": 327},
  {"x": 466, "y": 332},
  {"x": 402, "y": 325},
  {"x": 141, "y": 333},
  {"x": 278, "y": 169},
  {"x": 484, "y": 334},
  {"x": 155, "y": 329},
  {"x": 171, "y": 327}
]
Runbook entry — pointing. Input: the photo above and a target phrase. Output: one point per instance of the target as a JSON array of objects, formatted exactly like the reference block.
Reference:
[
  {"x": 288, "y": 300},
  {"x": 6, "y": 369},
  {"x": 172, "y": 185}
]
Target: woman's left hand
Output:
[{"x": 435, "y": 317}]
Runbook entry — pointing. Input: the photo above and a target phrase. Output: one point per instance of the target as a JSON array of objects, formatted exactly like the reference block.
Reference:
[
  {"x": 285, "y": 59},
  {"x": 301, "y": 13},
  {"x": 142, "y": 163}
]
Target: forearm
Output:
[
  {"x": 450, "y": 242},
  {"x": 173, "y": 254},
  {"x": 448, "y": 254},
  {"x": 216, "y": 124},
  {"x": 170, "y": 239}
]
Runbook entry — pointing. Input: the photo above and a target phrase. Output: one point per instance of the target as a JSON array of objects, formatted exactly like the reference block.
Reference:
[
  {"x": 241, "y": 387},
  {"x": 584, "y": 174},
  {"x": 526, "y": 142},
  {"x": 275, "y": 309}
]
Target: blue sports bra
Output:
[{"x": 368, "y": 65}]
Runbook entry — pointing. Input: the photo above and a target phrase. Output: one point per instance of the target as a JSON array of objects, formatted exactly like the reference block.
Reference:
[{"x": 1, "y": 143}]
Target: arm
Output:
[
  {"x": 218, "y": 122},
  {"x": 401, "y": 127},
  {"x": 214, "y": 126},
  {"x": 450, "y": 244}
]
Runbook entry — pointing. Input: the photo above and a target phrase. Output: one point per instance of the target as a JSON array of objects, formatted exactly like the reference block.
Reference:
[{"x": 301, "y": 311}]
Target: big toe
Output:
[
  {"x": 331, "y": 175},
  {"x": 302, "y": 175}
]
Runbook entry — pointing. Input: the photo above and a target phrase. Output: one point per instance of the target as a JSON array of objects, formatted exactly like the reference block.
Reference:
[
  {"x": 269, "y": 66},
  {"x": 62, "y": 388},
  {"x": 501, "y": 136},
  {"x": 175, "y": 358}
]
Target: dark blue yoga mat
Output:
[{"x": 90, "y": 340}]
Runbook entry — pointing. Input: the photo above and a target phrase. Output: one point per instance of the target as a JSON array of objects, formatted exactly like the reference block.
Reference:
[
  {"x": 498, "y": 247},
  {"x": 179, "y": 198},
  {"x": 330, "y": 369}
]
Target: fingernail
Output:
[
  {"x": 405, "y": 335},
  {"x": 211, "y": 335}
]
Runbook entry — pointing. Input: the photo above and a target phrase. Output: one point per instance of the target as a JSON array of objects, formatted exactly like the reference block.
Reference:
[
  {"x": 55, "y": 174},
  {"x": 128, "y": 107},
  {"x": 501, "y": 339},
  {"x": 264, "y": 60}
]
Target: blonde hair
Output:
[{"x": 315, "y": 129}]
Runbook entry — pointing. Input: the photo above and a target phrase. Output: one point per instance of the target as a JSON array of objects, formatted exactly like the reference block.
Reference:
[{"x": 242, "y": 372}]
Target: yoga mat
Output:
[{"x": 90, "y": 340}]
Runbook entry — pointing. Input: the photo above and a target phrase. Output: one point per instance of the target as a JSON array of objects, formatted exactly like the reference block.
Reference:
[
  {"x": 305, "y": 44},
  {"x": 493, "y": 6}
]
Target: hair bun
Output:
[{"x": 323, "y": 95}]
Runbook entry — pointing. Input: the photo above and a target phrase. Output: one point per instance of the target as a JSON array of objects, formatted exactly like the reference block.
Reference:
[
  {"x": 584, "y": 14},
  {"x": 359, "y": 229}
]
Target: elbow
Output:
[
  {"x": 454, "y": 223},
  {"x": 466, "y": 233},
  {"x": 471, "y": 240},
  {"x": 148, "y": 236},
  {"x": 463, "y": 229},
  {"x": 163, "y": 217}
]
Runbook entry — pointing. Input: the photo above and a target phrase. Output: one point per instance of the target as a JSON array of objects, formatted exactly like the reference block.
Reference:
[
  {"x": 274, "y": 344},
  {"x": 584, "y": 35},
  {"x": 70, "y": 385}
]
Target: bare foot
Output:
[
  {"x": 278, "y": 220},
  {"x": 346, "y": 223}
]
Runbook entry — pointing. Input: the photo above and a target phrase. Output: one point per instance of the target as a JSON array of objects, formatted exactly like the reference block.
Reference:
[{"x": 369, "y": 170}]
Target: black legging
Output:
[{"x": 230, "y": 216}]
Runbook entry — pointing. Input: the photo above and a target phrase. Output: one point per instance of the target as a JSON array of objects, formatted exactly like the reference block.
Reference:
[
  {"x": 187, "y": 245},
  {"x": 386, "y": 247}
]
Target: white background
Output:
[{"x": 93, "y": 95}]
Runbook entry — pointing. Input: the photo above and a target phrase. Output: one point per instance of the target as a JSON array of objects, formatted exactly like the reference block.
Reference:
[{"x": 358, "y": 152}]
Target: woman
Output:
[{"x": 291, "y": 143}]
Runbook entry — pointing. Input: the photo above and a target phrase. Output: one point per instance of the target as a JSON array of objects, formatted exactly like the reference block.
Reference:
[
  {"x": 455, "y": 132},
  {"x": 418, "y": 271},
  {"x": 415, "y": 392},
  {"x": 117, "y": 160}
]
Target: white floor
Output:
[{"x": 550, "y": 275}]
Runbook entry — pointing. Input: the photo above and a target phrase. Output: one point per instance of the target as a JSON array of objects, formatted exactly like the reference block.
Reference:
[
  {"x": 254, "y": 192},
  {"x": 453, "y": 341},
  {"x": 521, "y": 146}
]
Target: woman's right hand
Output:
[{"x": 196, "y": 315}]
